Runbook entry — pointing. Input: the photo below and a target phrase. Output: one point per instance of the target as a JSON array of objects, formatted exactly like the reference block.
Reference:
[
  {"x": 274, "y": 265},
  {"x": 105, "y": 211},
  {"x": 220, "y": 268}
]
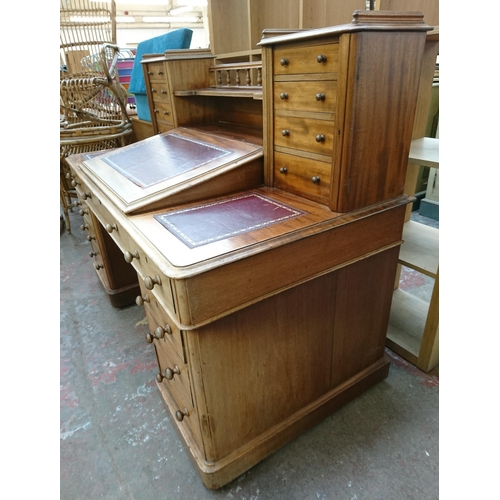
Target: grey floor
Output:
[{"x": 117, "y": 441}]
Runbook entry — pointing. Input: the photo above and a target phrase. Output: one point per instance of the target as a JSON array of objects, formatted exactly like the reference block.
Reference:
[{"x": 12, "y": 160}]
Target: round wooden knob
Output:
[
  {"x": 284, "y": 61},
  {"x": 321, "y": 58},
  {"x": 160, "y": 72},
  {"x": 163, "y": 91},
  {"x": 179, "y": 415},
  {"x": 130, "y": 256},
  {"x": 140, "y": 299},
  {"x": 149, "y": 282},
  {"x": 285, "y": 133},
  {"x": 283, "y": 170},
  {"x": 166, "y": 112},
  {"x": 320, "y": 138},
  {"x": 283, "y": 96},
  {"x": 75, "y": 183},
  {"x": 316, "y": 179},
  {"x": 320, "y": 97},
  {"x": 111, "y": 227},
  {"x": 98, "y": 266},
  {"x": 84, "y": 226},
  {"x": 86, "y": 196},
  {"x": 153, "y": 90},
  {"x": 92, "y": 254},
  {"x": 83, "y": 212},
  {"x": 168, "y": 373},
  {"x": 90, "y": 238},
  {"x": 160, "y": 331}
]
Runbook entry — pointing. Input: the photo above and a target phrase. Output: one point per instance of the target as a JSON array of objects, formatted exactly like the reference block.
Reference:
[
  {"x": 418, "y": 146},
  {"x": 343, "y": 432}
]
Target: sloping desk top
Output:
[{"x": 144, "y": 174}]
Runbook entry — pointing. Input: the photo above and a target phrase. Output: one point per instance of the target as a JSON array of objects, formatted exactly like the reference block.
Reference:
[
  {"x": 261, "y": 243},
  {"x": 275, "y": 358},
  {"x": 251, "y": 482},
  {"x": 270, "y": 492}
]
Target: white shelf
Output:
[
  {"x": 425, "y": 151},
  {"x": 420, "y": 250}
]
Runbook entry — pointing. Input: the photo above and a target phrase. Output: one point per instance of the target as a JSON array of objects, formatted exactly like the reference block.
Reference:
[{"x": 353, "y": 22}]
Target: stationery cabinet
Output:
[{"x": 331, "y": 133}]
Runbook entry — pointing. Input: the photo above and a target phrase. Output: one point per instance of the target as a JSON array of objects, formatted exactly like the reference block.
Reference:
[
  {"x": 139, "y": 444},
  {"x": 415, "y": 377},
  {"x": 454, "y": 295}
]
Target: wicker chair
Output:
[{"x": 93, "y": 103}]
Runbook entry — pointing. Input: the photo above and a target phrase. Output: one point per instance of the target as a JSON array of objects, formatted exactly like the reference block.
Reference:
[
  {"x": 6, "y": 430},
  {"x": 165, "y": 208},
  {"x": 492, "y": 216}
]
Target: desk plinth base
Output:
[{"x": 217, "y": 474}]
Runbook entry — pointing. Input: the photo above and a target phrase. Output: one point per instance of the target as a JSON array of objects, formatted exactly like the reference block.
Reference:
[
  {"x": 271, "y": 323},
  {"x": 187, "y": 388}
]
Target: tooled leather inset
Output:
[
  {"x": 223, "y": 219},
  {"x": 162, "y": 157}
]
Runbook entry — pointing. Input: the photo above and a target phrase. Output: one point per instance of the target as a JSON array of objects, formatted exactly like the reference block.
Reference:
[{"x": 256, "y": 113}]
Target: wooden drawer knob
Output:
[
  {"x": 179, "y": 415},
  {"x": 320, "y": 97},
  {"x": 283, "y": 170},
  {"x": 158, "y": 334},
  {"x": 86, "y": 196},
  {"x": 284, "y": 61},
  {"x": 111, "y": 227},
  {"x": 149, "y": 282},
  {"x": 160, "y": 72},
  {"x": 140, "y": 299},
  {"x": 283, "y": 96},
  {"x": 320, "y": 138},
  {"x": 163, "y": 91},
  {"x": 98, "y": 266},
  {"x": 92, "y": 254},
  {"x": 83, "y": 212},
  {"x": 75, "y": 183},
  {"x": 90, "y": 238},
  {"x": 285, "y": 133},
  {"x": 84, "y": 226},
  {"x": 321, "y": 58},
  {"x": 316, "y": 179},
  {"x": 130, "y": 256},
  {"x": 168, "y": 373},
  {"x": 166, "y": 112}
]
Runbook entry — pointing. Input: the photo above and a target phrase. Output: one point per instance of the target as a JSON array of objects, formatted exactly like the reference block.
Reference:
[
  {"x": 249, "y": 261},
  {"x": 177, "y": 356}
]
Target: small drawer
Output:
[
  {"x": 156, "y": 72},
  {"x": 312, "y": 59},
  {"x": 303, "y": 176},
  {"x": 306, "y": 134},
  {"x": 133, "y": 254},
  {"x": 315, "y": 96},
  {"x": 163, "y": 127},
  {"x": 173, "y": 375},
  {"x": 158, "y": 317},
  {"x": 163, "y": 112},
  {"x": 160, "y": 93},
  {"x": 172, "y": 371}
]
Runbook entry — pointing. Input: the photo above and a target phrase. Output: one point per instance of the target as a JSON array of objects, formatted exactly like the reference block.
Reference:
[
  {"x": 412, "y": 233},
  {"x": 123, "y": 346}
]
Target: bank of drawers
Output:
[
  {"x": 173, "y": 373},
  {"x": 161, "y": 112},
  {"x": 304, "y": 104},
  {"x": 157, "y": 284}
]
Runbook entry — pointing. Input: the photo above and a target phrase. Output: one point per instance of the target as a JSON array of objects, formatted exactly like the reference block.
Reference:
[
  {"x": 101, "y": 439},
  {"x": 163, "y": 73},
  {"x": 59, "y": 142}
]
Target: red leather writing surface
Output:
[
  {"x": 161, "y": 158},
  {"x": 212, "y": 222}
]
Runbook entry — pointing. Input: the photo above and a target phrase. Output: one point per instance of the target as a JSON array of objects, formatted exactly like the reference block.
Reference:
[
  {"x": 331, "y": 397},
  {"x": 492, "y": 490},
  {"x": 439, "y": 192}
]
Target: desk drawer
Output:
[
  {"x": 160, "y": 92},
  {"x": 163, "y": 127},
  {"x": 314, "y": 96},
  {"x": 174, "y": 376},
  {"x": 312, "y": 59},
  {"x": 306, "y": 134},
  {"x": 163, "y": 112},
  {"x": 158, "y": 317},
  {"x": 303, "y": 176},
  {"x": 153, "y": 279},
  {"x": 156, "y": 72}
]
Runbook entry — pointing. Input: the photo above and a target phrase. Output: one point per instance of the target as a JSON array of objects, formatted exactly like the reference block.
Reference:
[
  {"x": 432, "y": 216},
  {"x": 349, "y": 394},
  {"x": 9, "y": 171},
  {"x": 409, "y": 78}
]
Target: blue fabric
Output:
[{"x": 178, "y": 39}]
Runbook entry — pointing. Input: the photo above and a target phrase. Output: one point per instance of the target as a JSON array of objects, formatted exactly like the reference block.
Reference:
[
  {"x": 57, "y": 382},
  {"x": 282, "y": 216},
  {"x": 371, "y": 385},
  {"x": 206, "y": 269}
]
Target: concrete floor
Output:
[{"x": 117, "y": 441}]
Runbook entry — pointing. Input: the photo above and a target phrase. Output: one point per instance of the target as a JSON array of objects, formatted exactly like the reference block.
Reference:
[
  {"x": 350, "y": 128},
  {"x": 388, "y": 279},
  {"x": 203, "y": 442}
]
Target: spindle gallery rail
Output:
[{"x": 232, "y": 80}]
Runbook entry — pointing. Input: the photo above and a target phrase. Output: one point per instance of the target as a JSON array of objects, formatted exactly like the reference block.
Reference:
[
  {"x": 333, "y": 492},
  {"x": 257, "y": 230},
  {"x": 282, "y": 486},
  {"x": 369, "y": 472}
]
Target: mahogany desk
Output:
[{"x": 268, "y": 291}]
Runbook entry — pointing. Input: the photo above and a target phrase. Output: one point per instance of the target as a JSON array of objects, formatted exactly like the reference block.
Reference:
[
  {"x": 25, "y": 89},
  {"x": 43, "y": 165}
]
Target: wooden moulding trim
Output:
[
  {"x": 362, "y": 21},
  {"x": 216, "y": 474}
]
